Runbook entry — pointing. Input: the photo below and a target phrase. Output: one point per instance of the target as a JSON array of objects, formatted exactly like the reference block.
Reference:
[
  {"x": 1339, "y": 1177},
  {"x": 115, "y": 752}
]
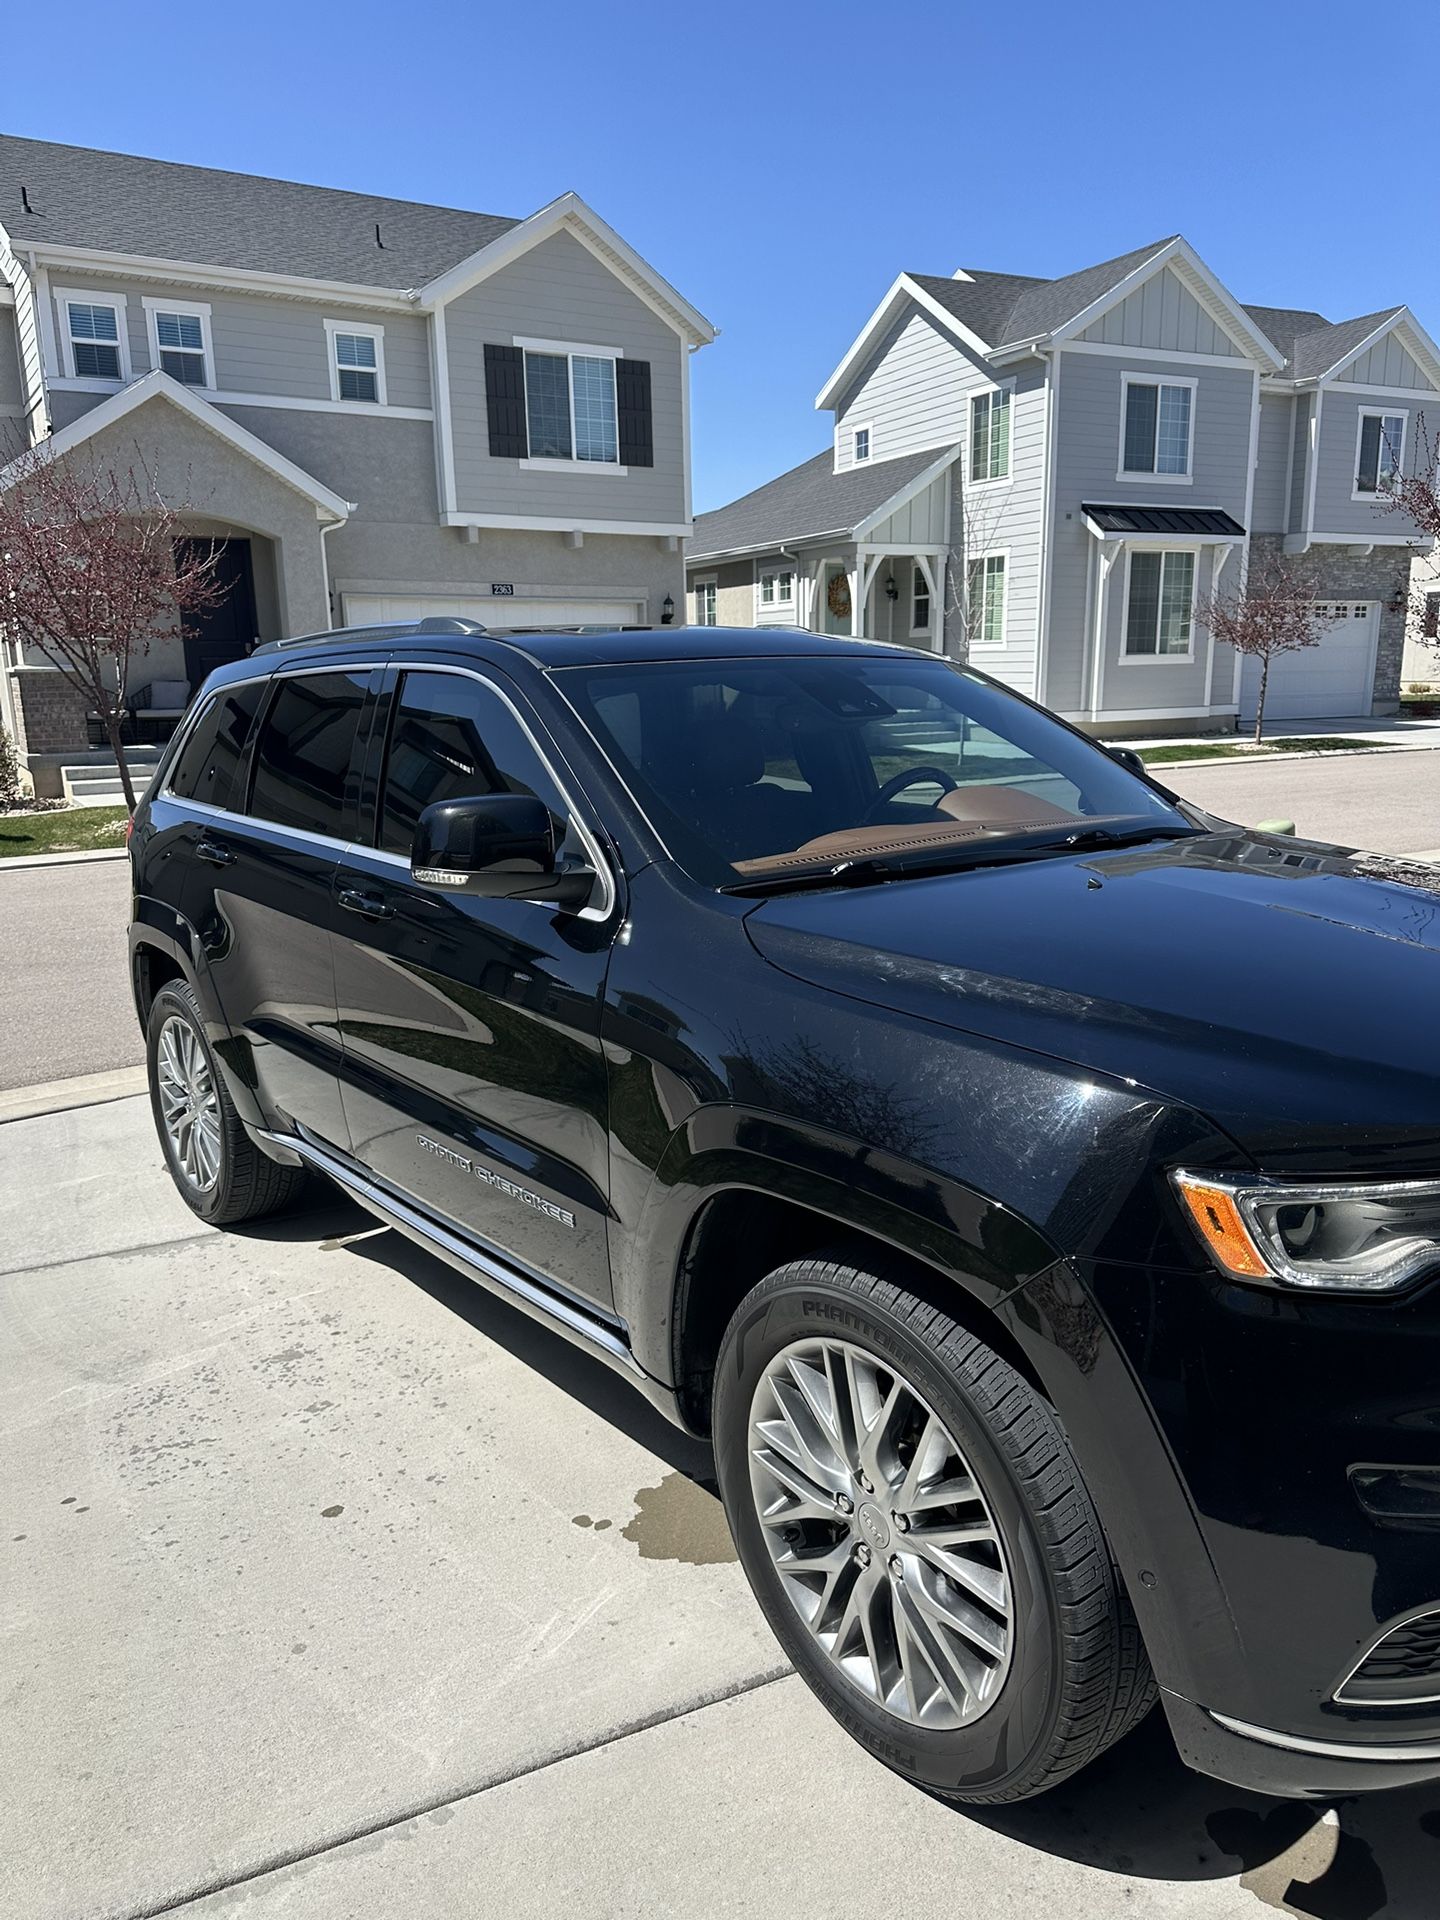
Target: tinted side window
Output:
[
  {"x": 303, "y": 755},
  {"x": 211, "y": 757},
  {"x": 450, "y": 739}
]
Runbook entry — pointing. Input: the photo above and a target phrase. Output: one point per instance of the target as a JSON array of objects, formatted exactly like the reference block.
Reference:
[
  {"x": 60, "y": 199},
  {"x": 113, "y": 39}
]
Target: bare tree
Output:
[
  {"x": 1274, "y": 613},
  {"x": 93, "y": 567}
]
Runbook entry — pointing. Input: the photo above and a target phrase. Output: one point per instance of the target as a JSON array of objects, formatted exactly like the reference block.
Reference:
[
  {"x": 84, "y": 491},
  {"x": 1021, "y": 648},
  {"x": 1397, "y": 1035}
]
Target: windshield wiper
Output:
[{"x": 998, "y": 851}]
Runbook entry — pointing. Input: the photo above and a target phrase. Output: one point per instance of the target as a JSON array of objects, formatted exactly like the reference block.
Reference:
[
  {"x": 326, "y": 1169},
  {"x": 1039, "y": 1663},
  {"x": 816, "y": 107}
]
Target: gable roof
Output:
[
  {"x": 809, "y": 501},
  {"x": 1314, "y": 346},
  {"x": 156, "y": 209},
  {"x": 161, "y": 387},
  {"x": 995, "y": 313}
]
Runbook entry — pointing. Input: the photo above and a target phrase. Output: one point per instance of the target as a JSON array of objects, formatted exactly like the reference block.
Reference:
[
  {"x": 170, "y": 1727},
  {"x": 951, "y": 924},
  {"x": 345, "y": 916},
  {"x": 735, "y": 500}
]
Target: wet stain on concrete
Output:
[
  {"x": 584, "y": 1520},
  {"x": 680, "y": 1520},
  {"x": 331, "y": 1513},
  {"x": 1301, "y": 1864}
]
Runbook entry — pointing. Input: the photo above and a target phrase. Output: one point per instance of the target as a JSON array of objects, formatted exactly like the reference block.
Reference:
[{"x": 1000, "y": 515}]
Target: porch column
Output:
[{"x": 1109, "y": 554}]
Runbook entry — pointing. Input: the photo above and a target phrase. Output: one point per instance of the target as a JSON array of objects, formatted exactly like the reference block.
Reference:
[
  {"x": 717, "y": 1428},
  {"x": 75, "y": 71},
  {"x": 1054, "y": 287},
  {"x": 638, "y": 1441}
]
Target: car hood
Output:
[{"x": 1288, "y": 990}]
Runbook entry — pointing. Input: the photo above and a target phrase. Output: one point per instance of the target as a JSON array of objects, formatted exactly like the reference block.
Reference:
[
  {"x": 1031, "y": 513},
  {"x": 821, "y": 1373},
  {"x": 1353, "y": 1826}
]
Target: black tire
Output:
[
  {"x": 249, "y": 1183},
  {"x": 1078, "y": 1677}
]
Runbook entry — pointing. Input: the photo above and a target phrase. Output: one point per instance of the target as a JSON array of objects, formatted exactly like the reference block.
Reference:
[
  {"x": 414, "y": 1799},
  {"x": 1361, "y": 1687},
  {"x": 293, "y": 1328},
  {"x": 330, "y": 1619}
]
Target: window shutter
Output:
[
  {"x": 632, "y": 404},
  {"x": 505, "y": 402}
]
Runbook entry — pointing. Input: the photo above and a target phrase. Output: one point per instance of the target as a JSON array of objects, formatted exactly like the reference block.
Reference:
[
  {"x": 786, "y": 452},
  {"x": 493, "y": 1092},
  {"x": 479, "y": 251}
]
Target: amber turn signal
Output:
[{"x": 1221, "y": 1227}]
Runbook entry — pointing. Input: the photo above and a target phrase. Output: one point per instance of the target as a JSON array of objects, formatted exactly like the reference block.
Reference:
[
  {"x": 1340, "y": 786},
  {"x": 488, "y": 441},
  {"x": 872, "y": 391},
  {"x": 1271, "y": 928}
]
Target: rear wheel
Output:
[
  {"x": 916, "y": 1528},
  {"x": 220, "y": 1172}
]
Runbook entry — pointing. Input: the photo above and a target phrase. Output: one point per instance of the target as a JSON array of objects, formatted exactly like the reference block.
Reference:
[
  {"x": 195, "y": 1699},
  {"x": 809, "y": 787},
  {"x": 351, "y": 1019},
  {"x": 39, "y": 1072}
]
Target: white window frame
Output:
[
  {"x": 920, "y": 589},
  {"x": 707, "y": 584},
  {"x": 772, "y": 570},
  {"x": 570, "y": 351},
  {"x": 373, "y": 331},
  {"x": 118, "y": 304},
  {"x": 1147, "y": 477},
  {"x": 972, "y": 644},
  {"x": 1158, "y": 659},
  {"x": 1362, "y": 414},
  {"x": 858, "y": 459},
  {"x": 988, "y": 393},
  {"x": 190, "y": 310}
]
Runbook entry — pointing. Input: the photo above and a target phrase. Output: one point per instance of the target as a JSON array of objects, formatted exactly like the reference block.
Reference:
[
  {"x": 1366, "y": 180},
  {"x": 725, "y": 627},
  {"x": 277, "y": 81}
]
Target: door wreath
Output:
[{"x": 837, "y": 595}]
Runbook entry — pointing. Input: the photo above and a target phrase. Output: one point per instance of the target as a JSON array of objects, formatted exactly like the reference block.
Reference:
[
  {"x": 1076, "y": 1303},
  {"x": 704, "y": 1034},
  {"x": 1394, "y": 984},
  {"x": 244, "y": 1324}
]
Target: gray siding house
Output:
[
  {"x": 1049, "y": 478},
  {"x": 385, "y": 410}
]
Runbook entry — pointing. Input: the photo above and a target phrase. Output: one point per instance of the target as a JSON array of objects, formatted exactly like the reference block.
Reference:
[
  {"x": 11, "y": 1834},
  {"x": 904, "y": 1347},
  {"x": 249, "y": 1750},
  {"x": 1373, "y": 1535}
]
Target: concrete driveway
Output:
[{"x": 334, "y": 1588}]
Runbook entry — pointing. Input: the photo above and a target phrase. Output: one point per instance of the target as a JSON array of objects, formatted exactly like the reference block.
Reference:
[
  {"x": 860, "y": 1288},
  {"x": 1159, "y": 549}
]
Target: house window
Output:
[
  {"x": 987, "y": 601},
  {"x": 919, "y": 602},
  {"x": 570, "y": 407},
  {"x": 1155, "y": 432},
  {"x": 1430, "y": 617},
  {"x": 776, "y": 589},
  {"x": 990, "y": 435},
  {"x": 861, "y": 444},
  {"x": 1158, "y": 605},
  {"x": 1380, "y": 447},
  {"x": 180, "y": 342},
  {"x": 705, "y": 603},
  {"x": 357, "y": 362},
  {"x": 95, "y": 331}
]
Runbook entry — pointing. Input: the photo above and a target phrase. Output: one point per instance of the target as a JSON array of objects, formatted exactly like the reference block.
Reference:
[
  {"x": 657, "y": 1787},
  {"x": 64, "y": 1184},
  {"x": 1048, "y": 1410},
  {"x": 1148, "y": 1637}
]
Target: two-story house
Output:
[
  {"x": 384, "y": 410},
  {"x": 1051, "y": 477}
]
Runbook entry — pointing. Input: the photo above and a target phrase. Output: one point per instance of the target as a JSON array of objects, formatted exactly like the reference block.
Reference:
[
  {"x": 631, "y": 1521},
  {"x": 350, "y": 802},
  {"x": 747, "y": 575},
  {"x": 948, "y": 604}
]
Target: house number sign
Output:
[{"x": 503, "y": 589}]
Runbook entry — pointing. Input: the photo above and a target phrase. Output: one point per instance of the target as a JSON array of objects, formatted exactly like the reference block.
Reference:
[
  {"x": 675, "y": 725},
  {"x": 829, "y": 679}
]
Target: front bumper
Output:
[{"x": 1292, "y": 1765}]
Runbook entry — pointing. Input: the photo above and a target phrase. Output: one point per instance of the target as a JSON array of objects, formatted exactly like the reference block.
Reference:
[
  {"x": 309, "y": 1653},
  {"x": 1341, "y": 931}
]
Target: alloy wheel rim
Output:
[
  {"x": 189, "y": 1103},
  {"x": 882, "y": 1539}
]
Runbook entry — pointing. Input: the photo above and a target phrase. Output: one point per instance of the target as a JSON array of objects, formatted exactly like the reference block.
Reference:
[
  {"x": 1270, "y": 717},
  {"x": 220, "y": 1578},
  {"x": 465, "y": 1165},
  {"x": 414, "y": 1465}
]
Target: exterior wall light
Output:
[{"x": 667, "y": 611}]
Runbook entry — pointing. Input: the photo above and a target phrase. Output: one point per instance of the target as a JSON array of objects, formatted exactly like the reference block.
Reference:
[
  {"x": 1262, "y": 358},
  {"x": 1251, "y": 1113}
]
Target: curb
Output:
[
  {"x": 1253, "y": 759},
  {"x": 64, "y": 859},
  {"x": 62, "y": 1096}
]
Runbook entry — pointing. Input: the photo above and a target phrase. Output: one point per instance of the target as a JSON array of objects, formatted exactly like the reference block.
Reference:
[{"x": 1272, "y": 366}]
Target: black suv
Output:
[{"x": 1031, "y": 1184}]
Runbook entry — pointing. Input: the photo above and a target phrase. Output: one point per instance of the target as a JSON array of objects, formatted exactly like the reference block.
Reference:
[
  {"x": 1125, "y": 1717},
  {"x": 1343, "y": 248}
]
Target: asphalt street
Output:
[
  {"x": 1384, "y": 802},
  {"x": 62, "y": 959},
  {"x": 333, "y": 1588}
]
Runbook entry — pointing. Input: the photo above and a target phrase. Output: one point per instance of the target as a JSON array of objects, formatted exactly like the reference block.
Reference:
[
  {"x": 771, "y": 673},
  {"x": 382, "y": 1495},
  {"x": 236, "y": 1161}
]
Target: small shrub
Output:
[{"x": 13, "y": 791}]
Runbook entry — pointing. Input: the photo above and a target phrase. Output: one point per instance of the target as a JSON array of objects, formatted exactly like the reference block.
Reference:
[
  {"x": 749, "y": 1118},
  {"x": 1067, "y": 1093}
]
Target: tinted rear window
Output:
[
  {"x": 211, "y": 757},
  {"x": 303, "y": 755}
]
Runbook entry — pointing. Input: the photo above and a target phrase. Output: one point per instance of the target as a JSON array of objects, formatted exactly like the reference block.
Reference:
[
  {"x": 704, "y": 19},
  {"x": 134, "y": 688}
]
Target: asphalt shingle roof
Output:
[
  {"x": 810, "y": 499},
  {"x": 1311, "y": 344},
  {"x": 1004, "y": 308},
  {"x": 120, "y": 203}
]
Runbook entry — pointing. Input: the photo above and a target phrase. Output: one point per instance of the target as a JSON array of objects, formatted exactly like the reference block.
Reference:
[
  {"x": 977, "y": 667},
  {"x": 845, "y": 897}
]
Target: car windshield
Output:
[{"x": 758, "y": 770}]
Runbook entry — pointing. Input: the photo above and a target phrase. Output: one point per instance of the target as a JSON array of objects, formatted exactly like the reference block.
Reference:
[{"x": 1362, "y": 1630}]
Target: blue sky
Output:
[{"x": 781, "y": 163}]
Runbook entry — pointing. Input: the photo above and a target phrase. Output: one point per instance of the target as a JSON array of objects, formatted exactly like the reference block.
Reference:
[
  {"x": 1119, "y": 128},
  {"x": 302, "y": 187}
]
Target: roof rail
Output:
[{"x": 448, "y": 623}]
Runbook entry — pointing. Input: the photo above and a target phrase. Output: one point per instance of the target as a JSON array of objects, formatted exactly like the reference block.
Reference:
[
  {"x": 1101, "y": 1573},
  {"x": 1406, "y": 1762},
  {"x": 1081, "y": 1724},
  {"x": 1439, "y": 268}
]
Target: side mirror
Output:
[
  {"x": 498, "y": 846},
  {"x": 1128, "y": 757}
]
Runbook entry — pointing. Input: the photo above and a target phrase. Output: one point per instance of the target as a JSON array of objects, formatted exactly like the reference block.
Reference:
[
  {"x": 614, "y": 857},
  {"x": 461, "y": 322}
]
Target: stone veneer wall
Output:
[{"x": 1383, "y": 574}]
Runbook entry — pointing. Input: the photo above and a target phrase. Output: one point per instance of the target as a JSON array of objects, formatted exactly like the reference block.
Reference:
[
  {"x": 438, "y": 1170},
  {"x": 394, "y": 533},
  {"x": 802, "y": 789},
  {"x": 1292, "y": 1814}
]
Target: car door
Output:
[
  {"x": 261, "y": 898},
  {"x": 474, "y": 1077}
]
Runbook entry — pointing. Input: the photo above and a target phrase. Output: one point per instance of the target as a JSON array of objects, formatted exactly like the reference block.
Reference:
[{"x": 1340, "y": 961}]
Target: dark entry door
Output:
[{"x": 226, "y": 631}]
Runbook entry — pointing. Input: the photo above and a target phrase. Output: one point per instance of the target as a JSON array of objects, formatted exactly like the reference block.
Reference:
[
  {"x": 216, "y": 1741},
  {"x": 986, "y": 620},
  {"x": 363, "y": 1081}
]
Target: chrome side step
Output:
[{"x": 559, "y": 1315}]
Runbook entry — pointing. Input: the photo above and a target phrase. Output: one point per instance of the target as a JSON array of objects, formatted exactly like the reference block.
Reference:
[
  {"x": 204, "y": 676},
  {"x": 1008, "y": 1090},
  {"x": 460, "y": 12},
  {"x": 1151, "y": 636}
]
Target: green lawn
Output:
[
  {"x": 72, "y": 830},
  {"x": 1240, "y": 749}
]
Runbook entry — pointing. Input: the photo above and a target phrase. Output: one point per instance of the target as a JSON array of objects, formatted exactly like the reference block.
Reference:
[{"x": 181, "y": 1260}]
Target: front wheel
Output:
[
  {"x": 220, "y": 1172},
  {"x": 916, "y": 1529}
]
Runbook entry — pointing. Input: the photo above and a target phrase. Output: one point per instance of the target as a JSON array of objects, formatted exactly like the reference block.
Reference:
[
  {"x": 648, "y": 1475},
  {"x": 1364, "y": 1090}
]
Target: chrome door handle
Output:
[
  {"x": 354, "y": 900},
  {"x": 215, "y": 851}
]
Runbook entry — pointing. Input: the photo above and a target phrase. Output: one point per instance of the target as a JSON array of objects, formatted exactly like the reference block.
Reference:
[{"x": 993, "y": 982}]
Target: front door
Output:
[
  {"x": 473, "y": 1078},
  {"x": 216, "y": 635}
]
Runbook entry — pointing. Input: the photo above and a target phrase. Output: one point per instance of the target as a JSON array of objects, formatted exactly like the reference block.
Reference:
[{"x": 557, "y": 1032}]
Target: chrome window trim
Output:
[
  {"x": 608, "y": 888},
  {"x": 1332, "y": 1749}
]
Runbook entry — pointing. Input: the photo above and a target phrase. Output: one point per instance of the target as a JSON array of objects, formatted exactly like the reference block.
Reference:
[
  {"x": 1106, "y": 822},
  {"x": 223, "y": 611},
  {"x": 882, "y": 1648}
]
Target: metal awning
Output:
[{"x": 1164, "y": 523}]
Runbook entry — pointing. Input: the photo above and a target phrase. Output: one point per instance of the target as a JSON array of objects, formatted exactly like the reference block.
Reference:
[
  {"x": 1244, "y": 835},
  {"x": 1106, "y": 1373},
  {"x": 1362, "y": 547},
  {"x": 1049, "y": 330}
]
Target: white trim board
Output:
[
  {"x": 283, "y": 402},
  {"x": 569, "y": 523},
  {"x": 160, "y": 386}
]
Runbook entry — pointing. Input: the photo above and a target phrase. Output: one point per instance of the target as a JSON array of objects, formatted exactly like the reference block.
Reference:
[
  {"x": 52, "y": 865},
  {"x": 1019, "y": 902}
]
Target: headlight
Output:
[{"x": 1341, "y": 1239}]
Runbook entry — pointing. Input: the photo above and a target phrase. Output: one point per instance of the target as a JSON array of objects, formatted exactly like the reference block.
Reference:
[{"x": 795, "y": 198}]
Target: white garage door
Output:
[
  {"x": 1332, "y": 681},
  {"x": 373, "y": 610}
]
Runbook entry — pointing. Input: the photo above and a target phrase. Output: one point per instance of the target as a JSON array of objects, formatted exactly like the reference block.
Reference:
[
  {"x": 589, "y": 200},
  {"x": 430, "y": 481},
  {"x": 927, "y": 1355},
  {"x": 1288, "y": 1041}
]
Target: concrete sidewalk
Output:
[{"x": 335, "y": 1588}]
